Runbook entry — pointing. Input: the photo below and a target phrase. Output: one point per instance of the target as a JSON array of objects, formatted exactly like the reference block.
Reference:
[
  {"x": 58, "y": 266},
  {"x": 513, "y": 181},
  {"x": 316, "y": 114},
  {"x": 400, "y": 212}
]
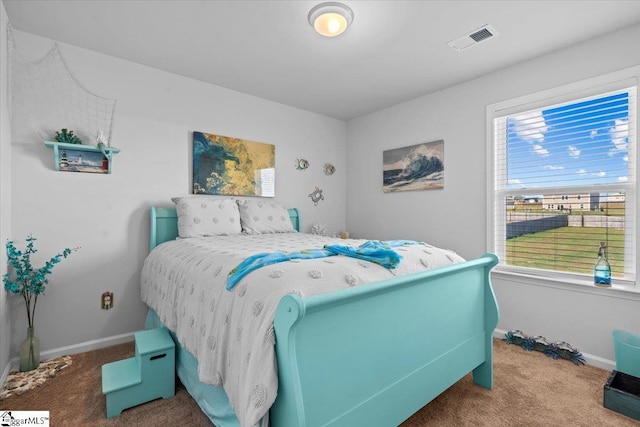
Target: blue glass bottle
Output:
[{"x": 602, "y": 270}]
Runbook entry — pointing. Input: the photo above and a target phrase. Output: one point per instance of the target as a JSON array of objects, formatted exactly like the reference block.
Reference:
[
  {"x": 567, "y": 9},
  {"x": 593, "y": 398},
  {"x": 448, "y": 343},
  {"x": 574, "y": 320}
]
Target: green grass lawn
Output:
[{"x": 571, "y": 249}]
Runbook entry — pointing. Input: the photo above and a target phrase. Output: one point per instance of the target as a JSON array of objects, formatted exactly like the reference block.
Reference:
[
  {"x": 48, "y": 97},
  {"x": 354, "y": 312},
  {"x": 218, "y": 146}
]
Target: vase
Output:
[
  {"x": 602, "y": 270},
  {"x": 29, "y": 352}
]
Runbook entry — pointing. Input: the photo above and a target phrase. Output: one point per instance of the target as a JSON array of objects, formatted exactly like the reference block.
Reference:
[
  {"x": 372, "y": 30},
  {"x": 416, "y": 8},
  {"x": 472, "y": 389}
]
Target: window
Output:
[{"x": 574, "y": 150}]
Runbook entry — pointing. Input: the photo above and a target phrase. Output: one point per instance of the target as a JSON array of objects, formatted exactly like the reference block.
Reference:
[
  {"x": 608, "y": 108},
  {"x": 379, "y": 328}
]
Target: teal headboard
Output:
[{"x": 164, "y": 224}]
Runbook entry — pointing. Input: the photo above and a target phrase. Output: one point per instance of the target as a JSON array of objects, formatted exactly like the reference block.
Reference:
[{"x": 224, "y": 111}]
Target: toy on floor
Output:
[{"x": 556, "y": 350}]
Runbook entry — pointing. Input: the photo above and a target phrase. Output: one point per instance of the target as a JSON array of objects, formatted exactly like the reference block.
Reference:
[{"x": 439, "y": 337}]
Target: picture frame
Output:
[
  {"x": 229, "y": 166},
  {"x": 415, "y": 167}
]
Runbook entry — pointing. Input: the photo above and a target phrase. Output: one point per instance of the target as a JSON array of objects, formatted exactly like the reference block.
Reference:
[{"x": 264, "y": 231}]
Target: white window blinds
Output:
[{"x": 563, "y": 181}]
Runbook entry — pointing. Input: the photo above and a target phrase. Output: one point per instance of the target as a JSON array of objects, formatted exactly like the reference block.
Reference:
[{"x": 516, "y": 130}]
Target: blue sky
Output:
[{"x": 581, "y": 143}]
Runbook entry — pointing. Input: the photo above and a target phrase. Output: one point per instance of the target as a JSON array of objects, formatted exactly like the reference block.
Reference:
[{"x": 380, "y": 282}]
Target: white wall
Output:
[
  {"x": 107, "y": 215},
  {"x": 5, "y": 193},
  {"x": 455, "y": 217}
]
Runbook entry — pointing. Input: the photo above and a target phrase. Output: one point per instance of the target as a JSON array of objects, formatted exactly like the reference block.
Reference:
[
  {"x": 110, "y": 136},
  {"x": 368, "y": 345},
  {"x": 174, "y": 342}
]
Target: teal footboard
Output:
[
  {"x": 371, "y": 355},
  {"x": 375, "y": 354}
]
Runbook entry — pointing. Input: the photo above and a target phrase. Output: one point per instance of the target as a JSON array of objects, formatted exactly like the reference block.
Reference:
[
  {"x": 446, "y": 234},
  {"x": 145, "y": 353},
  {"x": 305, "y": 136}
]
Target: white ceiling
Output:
[{"x": 394, "y": 50}]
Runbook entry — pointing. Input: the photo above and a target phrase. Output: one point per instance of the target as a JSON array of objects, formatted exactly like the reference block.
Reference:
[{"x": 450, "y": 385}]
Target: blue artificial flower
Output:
[{"x": 23, "y": 279}]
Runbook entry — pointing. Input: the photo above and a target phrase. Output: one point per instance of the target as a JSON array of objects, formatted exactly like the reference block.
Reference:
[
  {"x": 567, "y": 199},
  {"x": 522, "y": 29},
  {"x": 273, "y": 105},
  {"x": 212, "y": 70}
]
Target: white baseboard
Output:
[
  {"x": 14, "y": 363},
  {"x": 590, "y": 359}
]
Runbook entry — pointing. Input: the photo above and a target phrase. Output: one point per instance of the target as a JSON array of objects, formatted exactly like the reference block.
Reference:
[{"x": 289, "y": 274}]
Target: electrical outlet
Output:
[{"x": 106, "y": 300}]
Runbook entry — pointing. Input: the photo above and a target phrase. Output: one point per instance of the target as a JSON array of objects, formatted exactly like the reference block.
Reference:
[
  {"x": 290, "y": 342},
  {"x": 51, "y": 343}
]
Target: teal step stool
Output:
[{"x": 149, "y": 375}]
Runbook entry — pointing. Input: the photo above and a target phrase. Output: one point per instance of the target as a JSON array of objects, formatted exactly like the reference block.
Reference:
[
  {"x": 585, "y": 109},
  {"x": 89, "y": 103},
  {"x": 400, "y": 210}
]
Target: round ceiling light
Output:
[{"x": 330, "y": 19}]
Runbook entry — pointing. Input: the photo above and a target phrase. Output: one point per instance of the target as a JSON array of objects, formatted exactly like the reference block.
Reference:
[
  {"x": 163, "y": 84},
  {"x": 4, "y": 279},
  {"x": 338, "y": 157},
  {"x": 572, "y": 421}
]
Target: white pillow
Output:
[
  {"x": 200, "y": 216},
  {"x": 259, "y": 216}
]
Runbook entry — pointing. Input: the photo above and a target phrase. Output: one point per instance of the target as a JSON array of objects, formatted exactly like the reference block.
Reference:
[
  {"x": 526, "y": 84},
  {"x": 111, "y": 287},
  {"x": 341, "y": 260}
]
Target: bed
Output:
[{"x": 364, "y": 355}]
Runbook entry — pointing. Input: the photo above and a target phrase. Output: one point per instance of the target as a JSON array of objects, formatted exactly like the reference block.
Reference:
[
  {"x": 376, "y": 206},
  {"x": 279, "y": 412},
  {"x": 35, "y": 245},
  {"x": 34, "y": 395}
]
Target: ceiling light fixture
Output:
[{"x": 330, "y": 19}]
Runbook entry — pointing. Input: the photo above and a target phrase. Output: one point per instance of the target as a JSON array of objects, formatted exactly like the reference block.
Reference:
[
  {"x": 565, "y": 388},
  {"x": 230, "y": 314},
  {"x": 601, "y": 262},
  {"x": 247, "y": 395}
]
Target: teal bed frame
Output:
[{"x": 375, "y": 354}]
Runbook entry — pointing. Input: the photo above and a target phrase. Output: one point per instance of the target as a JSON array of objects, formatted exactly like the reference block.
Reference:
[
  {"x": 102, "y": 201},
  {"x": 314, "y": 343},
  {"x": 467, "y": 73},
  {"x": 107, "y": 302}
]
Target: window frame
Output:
[{"x": 596, "y": 86}]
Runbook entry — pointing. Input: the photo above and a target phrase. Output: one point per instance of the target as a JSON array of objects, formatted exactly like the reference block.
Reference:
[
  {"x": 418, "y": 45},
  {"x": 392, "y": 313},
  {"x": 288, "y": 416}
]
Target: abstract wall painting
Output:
[
  {"x": 228, "y": 166},
  {"x": 416, "y": 167}
]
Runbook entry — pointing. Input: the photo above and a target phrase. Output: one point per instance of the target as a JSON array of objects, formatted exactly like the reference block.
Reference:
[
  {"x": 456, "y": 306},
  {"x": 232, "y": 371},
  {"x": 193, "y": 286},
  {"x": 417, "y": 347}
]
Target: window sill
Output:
[{"x": 573, "y": 284}]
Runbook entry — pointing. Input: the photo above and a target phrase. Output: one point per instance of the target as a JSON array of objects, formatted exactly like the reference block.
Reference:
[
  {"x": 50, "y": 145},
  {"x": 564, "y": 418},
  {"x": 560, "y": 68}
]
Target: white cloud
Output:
[
  {"x": 540, "y": 150},
  {"x": 573, "y": 151},
  {"x": 623, "y": 178},
  {"x": 593, "y": 133},
  {"x": 619, "y": 136},
  {"x": 625, "y": 158},
  {"x": 600, "y": 174},
  {"x": 516, "y": 182},
  {"x": 530, "y": 126},
  {"x": 581, "y": 171},
  {"x": 554, "y": 168}
]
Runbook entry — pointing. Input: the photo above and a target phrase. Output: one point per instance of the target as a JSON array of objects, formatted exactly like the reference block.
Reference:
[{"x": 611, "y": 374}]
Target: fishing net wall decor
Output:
[{"x": 47, "y": 95}]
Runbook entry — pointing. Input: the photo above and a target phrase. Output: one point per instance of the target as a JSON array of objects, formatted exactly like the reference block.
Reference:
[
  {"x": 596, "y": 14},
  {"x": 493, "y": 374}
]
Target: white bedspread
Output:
[{"x": 231, "y": 332}]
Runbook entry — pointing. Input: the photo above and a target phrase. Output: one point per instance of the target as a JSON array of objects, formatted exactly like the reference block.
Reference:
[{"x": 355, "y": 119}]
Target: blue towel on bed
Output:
[{"x": 375, "y": 251}]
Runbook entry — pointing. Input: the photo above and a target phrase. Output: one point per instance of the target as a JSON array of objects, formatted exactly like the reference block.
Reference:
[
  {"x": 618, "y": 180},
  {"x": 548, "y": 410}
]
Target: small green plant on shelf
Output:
[{"x": 67, "y": 137}]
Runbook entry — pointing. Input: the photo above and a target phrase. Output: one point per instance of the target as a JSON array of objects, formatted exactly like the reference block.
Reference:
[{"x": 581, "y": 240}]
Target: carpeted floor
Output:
[{"x": 529, "y": 390}]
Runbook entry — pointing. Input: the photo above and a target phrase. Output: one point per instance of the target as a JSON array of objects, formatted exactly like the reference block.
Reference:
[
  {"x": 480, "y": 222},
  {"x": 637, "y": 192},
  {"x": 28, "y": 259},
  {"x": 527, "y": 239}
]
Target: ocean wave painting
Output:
[{"x": 416, "y": 167}]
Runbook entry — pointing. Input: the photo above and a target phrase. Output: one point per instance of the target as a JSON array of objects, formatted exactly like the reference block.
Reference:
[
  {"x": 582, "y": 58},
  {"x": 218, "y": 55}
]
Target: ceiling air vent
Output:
[{"x": 473, "y": 38}]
